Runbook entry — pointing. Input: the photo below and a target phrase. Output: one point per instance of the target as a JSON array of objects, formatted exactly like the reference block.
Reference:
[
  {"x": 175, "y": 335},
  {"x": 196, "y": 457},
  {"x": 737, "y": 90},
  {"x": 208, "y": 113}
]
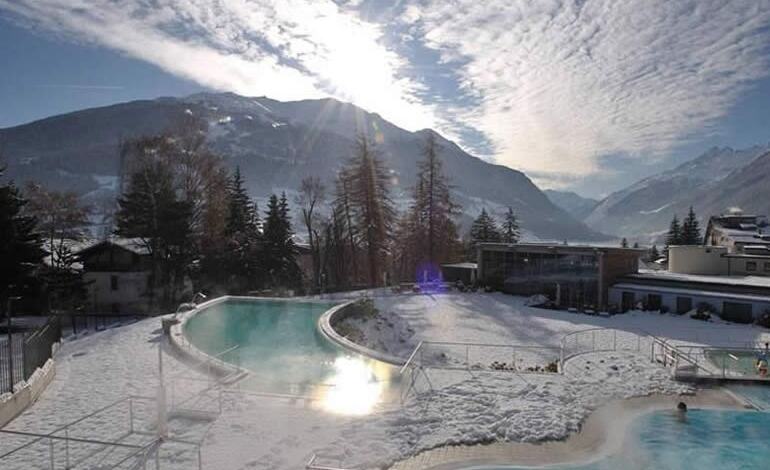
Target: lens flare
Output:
[{"x": 354, "y": 389}]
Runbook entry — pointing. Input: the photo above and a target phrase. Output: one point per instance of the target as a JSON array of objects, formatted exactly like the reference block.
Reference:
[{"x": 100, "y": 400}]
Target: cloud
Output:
[
  {"x": 563, "y": 83},
  {"x": 286, "y": 49},
  {"x": 552, "y": 87}
]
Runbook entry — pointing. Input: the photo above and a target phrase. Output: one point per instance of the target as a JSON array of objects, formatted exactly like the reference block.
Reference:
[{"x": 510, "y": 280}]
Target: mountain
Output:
[
  {"x": 275, "y": 144},
  {"x": 644, "y": 209},
  {"x": 575, "y": 205}
]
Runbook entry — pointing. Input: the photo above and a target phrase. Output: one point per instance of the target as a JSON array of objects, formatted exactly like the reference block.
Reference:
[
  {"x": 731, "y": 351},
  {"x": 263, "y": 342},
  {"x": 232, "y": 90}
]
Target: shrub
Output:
[
  {"x": 552, "y": 366},
  {"x": 764, "y": 319},
  {"x": 705, "y": 316},
  {"x": 705, "y": 307}
]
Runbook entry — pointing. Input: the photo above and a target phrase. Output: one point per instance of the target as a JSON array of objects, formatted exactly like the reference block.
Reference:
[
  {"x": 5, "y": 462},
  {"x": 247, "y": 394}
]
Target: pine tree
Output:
[
  {"x": 484, "y": 229},
  {"x": 242, "y": 239},
  {"x": 20, "y": 243},
  {"x": 674, "y": 235},
  {"x": 150, "y": 210},
  {"x": 654, "y": 255},
  {"x": 624, "y": 243},
  {"x": 510, "y": 227},
  {"x": 343, "y": 208},
  {"x": 280, "y": 252},
  {"x": 691, "y": 230},
  {"x": 241, "y": 211},
  {"x": 372, "y": 206},
  {"x": 198, "y": 180},
  {"x": 427, "y": 234}
]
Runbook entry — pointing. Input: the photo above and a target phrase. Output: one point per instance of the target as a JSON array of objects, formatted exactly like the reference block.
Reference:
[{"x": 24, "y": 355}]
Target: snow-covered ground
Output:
[{"x": 452, "y": 407}]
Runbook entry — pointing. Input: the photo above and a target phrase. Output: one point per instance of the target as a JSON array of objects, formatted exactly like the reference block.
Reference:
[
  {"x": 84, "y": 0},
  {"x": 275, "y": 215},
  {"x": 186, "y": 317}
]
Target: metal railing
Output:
[
  {"x": 708, "y": 362},
  {"x": 487, "y": 356},
  {"x": 313, "y": 464},
  {"x": 77, "y": 323},
  {"x": 26, "y": 352},
  {"x": 127, "y": 439},
  {"x": 593, "y": 340}
]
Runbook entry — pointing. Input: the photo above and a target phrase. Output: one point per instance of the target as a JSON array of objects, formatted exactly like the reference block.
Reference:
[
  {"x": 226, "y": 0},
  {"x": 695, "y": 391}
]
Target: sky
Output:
[{"x": 583, "y": 95}]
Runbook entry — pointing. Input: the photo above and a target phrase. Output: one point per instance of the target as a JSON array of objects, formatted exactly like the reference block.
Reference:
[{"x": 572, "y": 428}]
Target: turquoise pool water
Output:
[
  {"x": 706, "y": 440},
  {"x": 279, "y": 342}
]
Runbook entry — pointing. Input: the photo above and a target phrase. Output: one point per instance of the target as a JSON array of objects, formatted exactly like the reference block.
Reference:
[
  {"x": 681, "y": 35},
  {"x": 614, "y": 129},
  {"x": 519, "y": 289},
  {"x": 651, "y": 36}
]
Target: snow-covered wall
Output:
[{"x": 26, "y": 393}]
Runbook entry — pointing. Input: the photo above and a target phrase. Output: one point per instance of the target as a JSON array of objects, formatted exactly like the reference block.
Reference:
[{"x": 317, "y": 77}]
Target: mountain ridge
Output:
[
  {"x": 644, "y": 209},
  {"x": 275, "y": 144}
]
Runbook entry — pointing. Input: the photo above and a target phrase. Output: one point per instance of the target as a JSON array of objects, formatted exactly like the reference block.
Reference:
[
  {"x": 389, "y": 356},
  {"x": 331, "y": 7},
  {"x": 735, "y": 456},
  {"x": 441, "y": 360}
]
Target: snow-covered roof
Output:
[
  {"x": 134, "y": 245},
  {"x": 460, "y": 265},
  {"x": 692, "y": 292},
  {"x": 748, "y": 281}
]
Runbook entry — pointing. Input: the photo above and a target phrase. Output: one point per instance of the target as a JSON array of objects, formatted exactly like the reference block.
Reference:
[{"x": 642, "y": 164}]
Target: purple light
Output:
[{"x": 429, "y": 278}]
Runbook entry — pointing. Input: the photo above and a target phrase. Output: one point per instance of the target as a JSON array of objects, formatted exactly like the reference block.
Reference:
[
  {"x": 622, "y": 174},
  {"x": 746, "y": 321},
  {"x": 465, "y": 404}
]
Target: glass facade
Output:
[{"x": 567, "y": 279}]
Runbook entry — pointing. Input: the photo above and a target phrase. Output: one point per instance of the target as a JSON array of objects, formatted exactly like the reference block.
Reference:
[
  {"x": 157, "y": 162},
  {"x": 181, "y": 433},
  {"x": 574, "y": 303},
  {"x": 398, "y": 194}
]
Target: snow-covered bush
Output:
[{"x": 764, "y": 319}]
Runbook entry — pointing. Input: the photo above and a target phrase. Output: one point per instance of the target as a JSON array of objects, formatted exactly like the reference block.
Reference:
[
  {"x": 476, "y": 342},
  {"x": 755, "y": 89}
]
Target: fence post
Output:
[
  {"x": 131, "y": 415},
  {"x": 467, "y": 360},
  {"x": 50, "y": 451},
  {"x": 67, "y": 447}
]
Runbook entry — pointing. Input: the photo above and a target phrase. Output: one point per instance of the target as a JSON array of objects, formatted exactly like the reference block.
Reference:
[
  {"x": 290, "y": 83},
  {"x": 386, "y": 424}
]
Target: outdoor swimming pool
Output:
[
  {"x": 705, "y": 440},
  {"x": 279, "y": 342}
]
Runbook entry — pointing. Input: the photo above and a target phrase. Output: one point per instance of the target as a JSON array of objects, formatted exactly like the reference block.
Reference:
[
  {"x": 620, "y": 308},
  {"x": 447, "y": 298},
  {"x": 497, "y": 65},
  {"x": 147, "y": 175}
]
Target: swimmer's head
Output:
[{"x": 682, "y": 406}]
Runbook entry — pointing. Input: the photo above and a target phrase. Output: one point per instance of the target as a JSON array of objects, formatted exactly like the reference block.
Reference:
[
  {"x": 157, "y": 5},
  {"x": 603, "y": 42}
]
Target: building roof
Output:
[
  {"x": 559, "y": 247},
  {"x": 744, "y": 281},
  {"x": 134, "y": 245},
  {"x": 460, "y": 265},
  {"x": 692, "y": 292}
]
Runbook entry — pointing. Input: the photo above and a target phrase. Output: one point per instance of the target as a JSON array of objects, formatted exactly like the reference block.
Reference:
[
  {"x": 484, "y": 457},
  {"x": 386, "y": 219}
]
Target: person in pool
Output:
[
  {"x": 681, "y": 411},
  {"x": 761, "y": 363}
]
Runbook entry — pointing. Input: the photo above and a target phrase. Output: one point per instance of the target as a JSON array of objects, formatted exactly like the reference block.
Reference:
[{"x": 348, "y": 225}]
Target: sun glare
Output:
[{"x": 354, "y": 389}]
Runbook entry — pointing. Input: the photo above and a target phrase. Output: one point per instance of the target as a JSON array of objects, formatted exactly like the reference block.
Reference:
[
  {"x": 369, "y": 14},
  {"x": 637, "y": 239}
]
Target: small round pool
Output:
[{"x": 279, "y": 343}]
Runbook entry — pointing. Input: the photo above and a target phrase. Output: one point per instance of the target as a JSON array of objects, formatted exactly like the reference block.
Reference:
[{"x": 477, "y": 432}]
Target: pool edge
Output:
[
  {"x": 184, "y": 346},
  {"x": 328, "y": 331}
]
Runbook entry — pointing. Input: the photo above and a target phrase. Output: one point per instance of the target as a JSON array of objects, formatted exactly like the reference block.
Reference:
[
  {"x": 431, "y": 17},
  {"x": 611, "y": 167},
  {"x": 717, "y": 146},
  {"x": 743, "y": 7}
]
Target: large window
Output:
[
  {"x": 683, "y": 305},
  {"x": 654, "y": 302},
  {"x": 737, "y": 312},
  {"x": 569, "y": 280}
]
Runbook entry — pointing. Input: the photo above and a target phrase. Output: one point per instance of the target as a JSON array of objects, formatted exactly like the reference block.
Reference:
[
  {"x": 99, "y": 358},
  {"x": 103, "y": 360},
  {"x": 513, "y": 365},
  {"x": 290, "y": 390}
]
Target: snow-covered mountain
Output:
[
  {"x": 644, "y": 209},
  {"x": 276, "y": 144},
  {"x": 575, "y": 204}
]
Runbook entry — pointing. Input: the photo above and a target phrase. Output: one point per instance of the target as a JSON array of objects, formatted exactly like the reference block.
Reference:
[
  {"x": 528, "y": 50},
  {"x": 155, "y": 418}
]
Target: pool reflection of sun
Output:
[{"x": 354, "y": 388}]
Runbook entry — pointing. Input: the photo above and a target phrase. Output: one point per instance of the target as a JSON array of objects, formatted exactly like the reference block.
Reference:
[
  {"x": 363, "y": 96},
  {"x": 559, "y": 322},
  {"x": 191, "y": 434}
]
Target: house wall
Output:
[
  {"x": 569, "y": 276},
  {"x": 130, "y": 296},
  {"x": 739, "y": 266},
  {"x": 697, "y": 259},
  {"x": 669, "y": 299}
]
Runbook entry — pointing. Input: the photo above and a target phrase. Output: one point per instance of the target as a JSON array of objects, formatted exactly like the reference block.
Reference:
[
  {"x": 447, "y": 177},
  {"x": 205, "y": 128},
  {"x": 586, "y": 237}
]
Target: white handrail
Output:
[{"x": 411, "y": 357}]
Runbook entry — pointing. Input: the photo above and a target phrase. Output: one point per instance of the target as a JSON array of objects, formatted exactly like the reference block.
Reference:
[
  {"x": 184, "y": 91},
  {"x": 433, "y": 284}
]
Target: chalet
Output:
[{"x": 118, "y": 272}]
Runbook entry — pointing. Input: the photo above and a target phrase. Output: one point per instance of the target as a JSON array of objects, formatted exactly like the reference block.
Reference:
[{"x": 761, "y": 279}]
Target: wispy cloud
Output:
[
  {"x": 563, "y": 83},
  {"x": 552, "y": 87},
  {"x": 287, "y": 49}
]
